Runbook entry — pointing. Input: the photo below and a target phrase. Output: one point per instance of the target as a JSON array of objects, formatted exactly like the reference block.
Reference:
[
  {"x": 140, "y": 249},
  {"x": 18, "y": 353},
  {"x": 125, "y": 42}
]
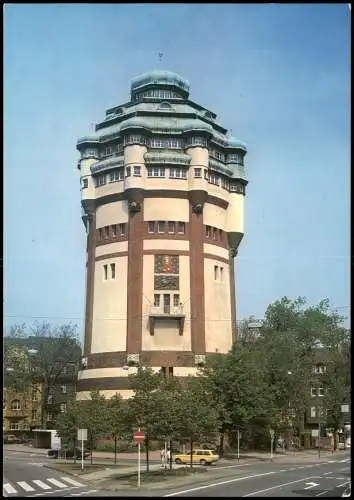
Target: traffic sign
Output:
[
  {"x": 139, "y": 436},
  {"x": 82, "y": 434}
]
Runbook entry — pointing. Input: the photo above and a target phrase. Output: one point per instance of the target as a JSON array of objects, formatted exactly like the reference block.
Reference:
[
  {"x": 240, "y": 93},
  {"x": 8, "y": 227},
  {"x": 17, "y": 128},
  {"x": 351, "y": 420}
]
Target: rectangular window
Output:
[
  {"x": 170, "y": 371},
  {"x": 206, "y": 174},
  {"x": 151, "y": 226},
  {"x": 63, "y": 389},
  {"x": 34, "y": 395},
  {"x": 197, "y": 172},
  {"x": 171, "y": 227},
  {"x": 100, "y": 233},
  {"x": 166, "y": 303},
  {"x": 116, "y": 175},
  {"x": 220, "y": 234},
  {"x": 161, "y": 227},
  {"x": 122, "y": 229},
  {"x": 215, "y": 233},
  {"x": 114, "y": 231},
  {"x": 313, "y": 412},
  {"x": 113, "y": 271},
  {"x": 14, "y": 426},
  {"x": 156, "y": 171},
  {"x": 176, "y": 300},
  {"x": 313, "y": 391},
  {"x": 84, "y": 183},
  {"x": 221, "y": 273},
  {"x": 137, "y": 171},
  {"x": 128, "y": 171},
  {"x": 105, "y": 272},
  {"x": 320, "y": 391},
  {"x": 178, "y": 173},
  {"x": 164, "y": 371},
  {"x": 49, "y": 417},
  {"x": 34, "y": 414},
  {"x": 101, "y": 180},
  {"x": 50, "y": 399},
  {"x": 157, "y": 300},
  {"x": 62, "y": 407},
  {"x": 106, "y": 232},
  {"x": 181, "y": 227},
  {"x": 216, "y": 273},
  {"x": 208, "y": 231}
]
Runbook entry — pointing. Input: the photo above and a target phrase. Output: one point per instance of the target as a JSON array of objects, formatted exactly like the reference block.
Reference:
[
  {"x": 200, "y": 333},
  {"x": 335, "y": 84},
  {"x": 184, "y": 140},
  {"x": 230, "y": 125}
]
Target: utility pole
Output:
[{"x": 319, "y": 432}]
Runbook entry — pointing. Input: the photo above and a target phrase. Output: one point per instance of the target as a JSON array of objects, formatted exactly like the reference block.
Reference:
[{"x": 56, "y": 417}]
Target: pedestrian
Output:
[
  {"x": 168, "y": 456},
  {"x": 163, "y": 458}
]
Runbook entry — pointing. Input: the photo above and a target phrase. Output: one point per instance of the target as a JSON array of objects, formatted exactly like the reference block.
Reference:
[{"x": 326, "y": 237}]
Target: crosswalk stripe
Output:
[
  {"x": 71, "y": 481},
  {"x": 25, "y": 486},
  {"x": 42, "y": 485},
  {"x": 8, "y": 488},
  {"x": 56, "y": 482}
]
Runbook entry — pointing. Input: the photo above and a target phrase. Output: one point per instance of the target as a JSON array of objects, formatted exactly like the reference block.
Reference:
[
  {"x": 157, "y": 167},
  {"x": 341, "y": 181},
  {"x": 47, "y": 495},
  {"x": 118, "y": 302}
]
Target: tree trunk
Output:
[
  {"x": 147, "y": 452},
  {"x": 115, "y": 449},
  {"x": 75, "y": 450},
  {"x": 91, "y": 451},
  {"x": 170, "y": 454},
  {"x": 191, "y": 443},
  {"x": 221, "y": 444}
]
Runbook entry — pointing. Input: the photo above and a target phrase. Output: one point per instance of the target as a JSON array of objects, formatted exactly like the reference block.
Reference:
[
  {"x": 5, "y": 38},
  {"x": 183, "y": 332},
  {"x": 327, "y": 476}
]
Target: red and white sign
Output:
[{"x": 139, "y": 436}]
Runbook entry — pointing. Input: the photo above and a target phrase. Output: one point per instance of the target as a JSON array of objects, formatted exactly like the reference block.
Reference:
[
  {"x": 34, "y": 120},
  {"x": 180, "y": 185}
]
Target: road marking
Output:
[
  {"x": 217, "y": 484},
  {"x": 9, "y": 489},
  {"x": 322, "y": 493},
  {"x": 278, "y": 486},
  {"x": 326, "y": 473},
  {"x": 25, "y": 486},
  {"x": 311, "y": 485},
  {"x": 343, "y": 484},
  {"x": 228, "y": 466},
  {"x": 293, "y": 468},
  {"x": 83, "y": 493},
  {"x": 42, "y": 485},
  {"x": 54, "y": 492},
  {"x": 57, "y": 483},
  {"x": 71, "y": 481}
]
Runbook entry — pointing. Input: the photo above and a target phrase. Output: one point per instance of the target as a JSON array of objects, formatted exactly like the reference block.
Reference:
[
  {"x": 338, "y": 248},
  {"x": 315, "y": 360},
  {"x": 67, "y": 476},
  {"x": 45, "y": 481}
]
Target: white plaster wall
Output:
[
  {"x": 134, "y": 154},
  {"x": 85, "y": 173},
  {"x": 166, "y": 183},
  {"x": 218, "y": 327},
  {"x": 173, "y": 209},
  {"x": 119, "y": 246},
  {"x": 184, "y": 371},
  {"x": 110, "y": 307},
  {"x": 235, "y": 214},
  {"x": 159, "y": 244},
  {"x": 124, "y": 393},
  {"x": 112, "y": 213},
  {"x": 214, "y": 216},
  {"x": 216, "y": 250},
  {"x": 109, "y": 188}
]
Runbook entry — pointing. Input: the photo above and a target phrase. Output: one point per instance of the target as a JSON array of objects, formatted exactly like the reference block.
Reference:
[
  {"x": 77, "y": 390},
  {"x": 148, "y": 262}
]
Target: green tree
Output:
[
  {"x": 96, "y": 416},
  {"x": 119, "y": 422},
  {"x": 68, "y": 423}
]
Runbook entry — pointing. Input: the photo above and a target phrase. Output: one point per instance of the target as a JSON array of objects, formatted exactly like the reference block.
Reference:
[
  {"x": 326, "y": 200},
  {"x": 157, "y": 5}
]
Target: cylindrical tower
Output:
[{"x": 162, "y": 197}]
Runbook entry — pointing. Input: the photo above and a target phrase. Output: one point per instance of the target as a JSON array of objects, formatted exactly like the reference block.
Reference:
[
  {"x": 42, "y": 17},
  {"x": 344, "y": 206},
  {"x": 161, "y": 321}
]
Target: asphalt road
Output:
[
  {"x": 24, "y": 475},
  {"x": 327, "y": 479}
]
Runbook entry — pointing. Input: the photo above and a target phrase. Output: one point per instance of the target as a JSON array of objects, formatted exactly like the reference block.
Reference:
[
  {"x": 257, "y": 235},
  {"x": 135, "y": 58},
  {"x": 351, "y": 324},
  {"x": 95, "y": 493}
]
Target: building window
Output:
[
  {"x": 101, "y": 180},
  {"x": 197, "y": 172},
  {"x": 166, "y": 303},
  {"x": 166, "y": 142},
  {"x": 137, "y": 171},
  {"x": 225, "y": 183},
  {"x": 151, "y": 227},
  {"x": 62, "y": 407},
  {"x": 170, "y": 371},
  {"x": 319, "y": 369},
  {"x": 49, "y": 417},
  {"x": 34, "y": 395},
  {"x": 313, "y": 391},
  {"x": 160, "y": 227},
  {"x": 235, "y": 158},
  {"x": 100, "y": 231},
  {"x": 237, "y": 188},
  {"x": 176, "y": 300},
  {"x": 105, "y": 272},
  {"x": 15, "y": 404},
  {"x": 114, "y": 231},
  {"x": 215, "y": 233},
  {"x": 178, "y": 173},
  {"x": 116, "y": 175},
  {"x": 63, "y": 389},
  {"x": 164, "y": 371},
  {"x": 216, "y": 272},
  {"x": 313, "y": 411},
  {"x": 128, "y": 171},
  {"x": 122, "y": 229},
  {"x": 321, "y": 391},
  {"x": 171, "y": 227},
  {"x": 84, "y": 183},
  {"x": 206, "y": 174},
  {"x": 156, "y": 171},
  {"x": 34, "y": 414},
  {"x": 214, "y": 179},
  {"x": 106, "y": 232},
  {"x": 221, "y": 273},
  {"x": 14, "y": 426},
  {"x": 50, "y": 399},
  {"x": 157, "y": 300},
  {"x": 208, "y": 231},
  {"x": 113, "y": 271},
  {"x": 181, "y": 227},
  {"x": 108, "y": 151}
]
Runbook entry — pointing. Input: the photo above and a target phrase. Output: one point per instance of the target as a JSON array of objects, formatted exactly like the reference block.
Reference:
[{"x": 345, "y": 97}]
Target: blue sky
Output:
[{"x": 277, "y": 75}]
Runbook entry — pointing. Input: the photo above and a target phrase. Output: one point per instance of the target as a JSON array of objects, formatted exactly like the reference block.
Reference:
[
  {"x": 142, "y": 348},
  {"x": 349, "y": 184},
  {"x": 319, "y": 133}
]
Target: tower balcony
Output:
[{"x": 166, "y": 312}]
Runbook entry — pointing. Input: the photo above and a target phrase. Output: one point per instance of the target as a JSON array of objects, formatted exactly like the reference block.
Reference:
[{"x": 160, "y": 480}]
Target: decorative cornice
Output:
[{"x": 104, "y": 165}]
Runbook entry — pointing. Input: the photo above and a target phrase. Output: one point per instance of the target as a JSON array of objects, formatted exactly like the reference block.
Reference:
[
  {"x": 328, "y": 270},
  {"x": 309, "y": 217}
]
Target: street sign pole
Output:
[
  {"x": 139, "y": 462},
  {"x": 271, "y": 443},
  {"x": 238, "y": 445},
  {"x": 81, "y": 436}
]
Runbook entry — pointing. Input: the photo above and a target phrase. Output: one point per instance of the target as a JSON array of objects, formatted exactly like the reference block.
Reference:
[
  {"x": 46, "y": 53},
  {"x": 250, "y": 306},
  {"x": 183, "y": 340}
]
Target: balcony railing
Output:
[{"x": 166, "y": 312}]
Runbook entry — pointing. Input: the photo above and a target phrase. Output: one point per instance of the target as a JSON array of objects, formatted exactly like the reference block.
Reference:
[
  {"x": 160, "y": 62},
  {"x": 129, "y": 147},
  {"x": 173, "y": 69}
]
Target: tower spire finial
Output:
[{"x": 160, "y": 57}]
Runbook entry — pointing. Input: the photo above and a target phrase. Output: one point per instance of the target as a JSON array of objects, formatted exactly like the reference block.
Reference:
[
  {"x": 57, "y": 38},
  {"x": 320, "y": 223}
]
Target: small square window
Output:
[
  {"x": 320, "y": 391},
  {"x": 63, "y": 389},
  {"x": 106, "y": 232},
  {"x": 62, "y": 407},
  {"x": 221, "y": 273},
  {"x": 171, "y": 227},
  {"x": 313, "y": 391},
  {"x": 313, "y": 412},
  {"x": 105, "y": 271},
  {"x": 122, "y": 229},
  {"x": 137, "y": 171},
  {"x": 114, "y": 231},
  {"x": 113, "y": 271},
  {"x": 197, "y": 172},
  {"x": 161, "y": 227},
  {"x": 84, "y": 183},
  {"x": 216, "y": 273},
  {"x": 181, "y": 227},
  {"x": 151, "y": 227},
  {"x": 157, "y": 300},
  {"x": 49, "y": 417}
]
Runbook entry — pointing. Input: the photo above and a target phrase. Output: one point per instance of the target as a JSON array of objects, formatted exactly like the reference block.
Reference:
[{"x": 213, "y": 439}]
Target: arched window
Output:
[{"x": 15, "y": 404}]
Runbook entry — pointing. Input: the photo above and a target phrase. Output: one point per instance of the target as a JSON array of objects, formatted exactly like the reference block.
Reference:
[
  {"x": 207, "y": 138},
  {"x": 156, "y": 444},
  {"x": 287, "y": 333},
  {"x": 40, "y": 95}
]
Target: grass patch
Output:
[
  {"x": 76, "y": 468},
  {"x": 163, "y": 475}
]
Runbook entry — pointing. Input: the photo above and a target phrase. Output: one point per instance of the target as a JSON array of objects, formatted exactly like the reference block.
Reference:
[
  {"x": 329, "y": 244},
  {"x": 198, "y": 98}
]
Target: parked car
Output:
[
  {"x": 12, "y": 439},
  {"x": 202, "y": 457},
  {"x": 70, "y": 453}
]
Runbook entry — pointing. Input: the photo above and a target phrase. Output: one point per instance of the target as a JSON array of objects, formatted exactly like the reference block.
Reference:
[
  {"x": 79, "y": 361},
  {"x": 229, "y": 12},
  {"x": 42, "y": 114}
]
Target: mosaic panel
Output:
[
  {"x": 166, "y": 283},
  {"x": 166, "y": 264}
]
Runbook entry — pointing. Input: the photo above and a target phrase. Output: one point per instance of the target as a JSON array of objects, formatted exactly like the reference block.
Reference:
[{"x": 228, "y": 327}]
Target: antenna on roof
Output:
[{"x": 160, "y": 57}]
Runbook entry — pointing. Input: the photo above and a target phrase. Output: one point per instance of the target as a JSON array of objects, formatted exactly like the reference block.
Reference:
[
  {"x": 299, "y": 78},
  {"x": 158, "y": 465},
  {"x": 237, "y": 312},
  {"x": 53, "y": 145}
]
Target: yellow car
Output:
[{"x": 202, "y": 457}]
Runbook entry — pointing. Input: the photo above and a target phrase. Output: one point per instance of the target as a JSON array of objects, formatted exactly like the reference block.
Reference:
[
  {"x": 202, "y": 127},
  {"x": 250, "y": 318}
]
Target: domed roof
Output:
[
  {"x": 87, "y": 138},
  {"x": 232, "y": 142},
  {"x": 135, "y": 122},
  {"x": 197, "y": 125},
  {"x": 157, "y": 76}
]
